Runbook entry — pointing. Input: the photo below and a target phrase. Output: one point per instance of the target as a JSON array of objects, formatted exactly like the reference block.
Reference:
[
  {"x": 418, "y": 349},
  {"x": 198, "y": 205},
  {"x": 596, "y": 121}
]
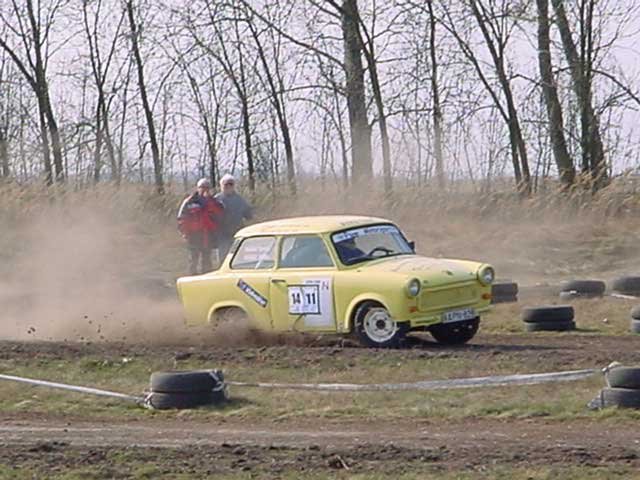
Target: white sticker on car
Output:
[
  {"x": 304, "y": 300},
  {"x": 359, "y": 232},
  {"x": 313, "y": 299},
  {"x": 252, "y": 293}
]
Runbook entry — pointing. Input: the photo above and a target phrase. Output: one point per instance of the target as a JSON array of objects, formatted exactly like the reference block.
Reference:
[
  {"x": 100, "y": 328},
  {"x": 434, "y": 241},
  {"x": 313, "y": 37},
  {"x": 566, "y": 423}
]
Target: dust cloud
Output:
[{"x": 77, "y": 270}]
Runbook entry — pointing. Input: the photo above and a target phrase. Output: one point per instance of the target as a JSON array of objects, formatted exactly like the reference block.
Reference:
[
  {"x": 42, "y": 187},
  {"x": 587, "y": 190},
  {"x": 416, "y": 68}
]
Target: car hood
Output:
[{"x": 432, "y": 271}]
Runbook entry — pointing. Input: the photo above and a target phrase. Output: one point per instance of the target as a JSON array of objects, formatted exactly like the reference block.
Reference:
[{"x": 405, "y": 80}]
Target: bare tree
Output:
[
  {"x": 496, "y": 37},
  {"x": 100, "y": 70},
  {"x": 355, "y": 29},
  {"x": 435, "y": 92},
  {"x": 5, "y": 113},
  {"x": 564, "y": 162},
  {"x": 580, "y": 66},
  {"x": 276, "y": 94},
  {"x": 355, "y": 93},
  {"x": 230, "y": 55},
  {"x": 155, "y": 150},
  {"x": 33, "y": 32}
]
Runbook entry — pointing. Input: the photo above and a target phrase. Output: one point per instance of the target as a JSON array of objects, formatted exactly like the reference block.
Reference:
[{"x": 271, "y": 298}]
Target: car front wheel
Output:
[
  {"x": 455, "y": 333},
  {"x": 374, "y": 327}
]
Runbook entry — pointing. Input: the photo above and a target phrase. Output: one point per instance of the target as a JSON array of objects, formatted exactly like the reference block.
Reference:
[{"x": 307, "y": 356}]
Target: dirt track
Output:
[
  {"x": 269, "y": 447},
  {"x": 551, "y": 351},
  {"x": 227, "y": 447}
]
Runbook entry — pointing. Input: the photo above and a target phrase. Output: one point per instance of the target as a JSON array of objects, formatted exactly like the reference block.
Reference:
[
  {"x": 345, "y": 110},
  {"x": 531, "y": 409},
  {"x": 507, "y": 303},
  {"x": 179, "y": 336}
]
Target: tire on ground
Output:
[
  {"x": 584, "y": 288},
  {"x": 629, "y": 285},
  {"x": 164, "y": 401},
  {"x": 635, "y": 326},
  {"x": 620, "y": 397},
  {"x": 623, "y": 377},
  {"x": 194, "y": 381},
  {"x": 455, "y": 333},
  {"x": 553, "y": 326},
  {"x": 503, "y": 299},
  {"x": 635, "y": 312},
  {"x": 548, "y": 313},
  {"x": 505, "y": 288}
]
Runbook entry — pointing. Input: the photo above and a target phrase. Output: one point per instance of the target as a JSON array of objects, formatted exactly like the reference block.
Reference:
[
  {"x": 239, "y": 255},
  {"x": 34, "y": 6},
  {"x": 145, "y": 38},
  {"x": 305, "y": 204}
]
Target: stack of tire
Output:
[
  {"x": 635, "y": 320},
  {"x": 186, "y": 389},
  {"x": 622, "y": 390},
  {"x": 582, "y": 289},
  {"x": 629, "y": 285},
  {"x": 504, "y": 291},
  {"x": 553, "y": 318}
]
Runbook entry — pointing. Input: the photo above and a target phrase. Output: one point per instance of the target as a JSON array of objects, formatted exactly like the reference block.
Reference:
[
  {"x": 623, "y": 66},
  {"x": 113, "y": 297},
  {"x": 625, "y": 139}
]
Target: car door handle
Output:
[{"x": 278, "y": 280}]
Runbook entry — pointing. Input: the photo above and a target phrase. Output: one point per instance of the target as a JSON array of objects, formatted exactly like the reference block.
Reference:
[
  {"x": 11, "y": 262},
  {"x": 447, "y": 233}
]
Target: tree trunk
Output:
[
  {"x": 246, "y": 119},
  {"x": 246, "y": 130},
  {"x": 155, "y": 151},
  {"x": 368, "y": 50},
  {"x": 42, "y": 92},
  {"x": 361, "y": 162},
  {"x": 437, "y": 109},
  {"x": 46, "y": 150},
  {"x": 564, "y": 162},
  {"x": 4, "y": 153},
  {"x": 56, "y": 144},
  {"x": 593, "y": 150}
]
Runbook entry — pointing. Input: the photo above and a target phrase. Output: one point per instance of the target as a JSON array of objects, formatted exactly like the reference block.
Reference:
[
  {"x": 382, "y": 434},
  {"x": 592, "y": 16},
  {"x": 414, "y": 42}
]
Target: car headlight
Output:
[
  {"x": 486, "y": 275},
  {"x": 413, "y": 287}
]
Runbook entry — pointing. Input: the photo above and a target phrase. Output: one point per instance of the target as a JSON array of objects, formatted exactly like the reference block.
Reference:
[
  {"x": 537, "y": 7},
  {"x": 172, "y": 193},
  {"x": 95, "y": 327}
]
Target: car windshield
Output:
[{"x": 367, "y": 243}]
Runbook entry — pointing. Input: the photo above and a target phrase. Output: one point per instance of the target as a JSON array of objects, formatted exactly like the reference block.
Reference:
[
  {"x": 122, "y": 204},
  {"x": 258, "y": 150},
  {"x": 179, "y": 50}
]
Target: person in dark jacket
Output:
[
  {"x": 199, "y": 220},
  {"x": 236, "y": 211}
]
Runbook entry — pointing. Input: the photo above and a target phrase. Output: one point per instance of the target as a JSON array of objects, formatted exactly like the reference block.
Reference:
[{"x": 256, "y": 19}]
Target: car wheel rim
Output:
[{"x": 379, "y": 326}]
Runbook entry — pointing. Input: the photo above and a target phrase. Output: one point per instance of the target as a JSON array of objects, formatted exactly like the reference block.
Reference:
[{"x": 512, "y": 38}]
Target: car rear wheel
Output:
[
  {"x": 455, "y": 333},
  {"x": 374, "y": 327}
]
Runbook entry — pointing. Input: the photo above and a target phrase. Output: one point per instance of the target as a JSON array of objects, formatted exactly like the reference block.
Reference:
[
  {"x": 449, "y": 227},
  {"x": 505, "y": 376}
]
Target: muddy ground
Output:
[
  {"x": 56, "y": 443},
  {"x": 546, "y": 350},
  {"x": 269, "y": 449}
]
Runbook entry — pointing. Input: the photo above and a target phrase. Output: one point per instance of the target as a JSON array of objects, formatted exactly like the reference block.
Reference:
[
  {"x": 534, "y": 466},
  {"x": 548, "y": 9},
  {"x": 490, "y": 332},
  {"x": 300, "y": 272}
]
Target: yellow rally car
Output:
[{"x": 340, "y": 274}]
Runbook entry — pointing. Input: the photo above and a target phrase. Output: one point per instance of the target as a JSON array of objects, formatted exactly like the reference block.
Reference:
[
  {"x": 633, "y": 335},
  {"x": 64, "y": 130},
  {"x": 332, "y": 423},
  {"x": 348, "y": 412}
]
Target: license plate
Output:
[{"x": 458, "y": 315}]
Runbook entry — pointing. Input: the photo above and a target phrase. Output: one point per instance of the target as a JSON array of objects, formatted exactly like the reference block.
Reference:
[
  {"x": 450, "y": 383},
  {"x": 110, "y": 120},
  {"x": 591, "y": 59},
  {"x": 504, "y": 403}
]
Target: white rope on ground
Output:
[
  {"x": 73, "y": 388},
  {"x": 493, "y": 381},
  {"x": 620, "y": 295}
]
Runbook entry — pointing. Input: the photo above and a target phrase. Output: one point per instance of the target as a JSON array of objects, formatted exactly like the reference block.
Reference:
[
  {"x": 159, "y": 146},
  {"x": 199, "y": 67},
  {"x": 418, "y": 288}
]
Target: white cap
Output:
[
  {"x": 227, "y": 178},
  {"x": 204, "y": 183}
]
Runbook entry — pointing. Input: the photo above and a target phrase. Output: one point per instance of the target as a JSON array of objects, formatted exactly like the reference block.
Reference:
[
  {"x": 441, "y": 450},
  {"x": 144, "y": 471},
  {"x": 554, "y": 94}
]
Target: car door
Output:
[
  {"x": 302, "y": 286},
  {"x": 251, "y": 268}
]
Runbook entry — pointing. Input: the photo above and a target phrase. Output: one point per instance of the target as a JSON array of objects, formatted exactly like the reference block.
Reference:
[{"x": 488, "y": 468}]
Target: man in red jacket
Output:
[{"x": 198, "y": 221}]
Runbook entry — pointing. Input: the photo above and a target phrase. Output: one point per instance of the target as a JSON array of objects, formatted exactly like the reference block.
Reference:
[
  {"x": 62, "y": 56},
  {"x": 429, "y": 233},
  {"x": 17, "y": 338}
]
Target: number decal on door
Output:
[
  {"x": 313, "y": 299},
  {"x": 304, "y": 300}
]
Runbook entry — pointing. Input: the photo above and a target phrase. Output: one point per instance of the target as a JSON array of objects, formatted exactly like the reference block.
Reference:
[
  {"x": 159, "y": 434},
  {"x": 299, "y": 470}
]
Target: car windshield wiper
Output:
[{"x": 369, "y": 256}]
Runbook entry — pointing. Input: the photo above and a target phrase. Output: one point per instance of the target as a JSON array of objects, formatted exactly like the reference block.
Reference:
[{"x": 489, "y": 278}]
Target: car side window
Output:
[
  {"x": 306, "y": 251},
  {"x": 257, "y": 253}
]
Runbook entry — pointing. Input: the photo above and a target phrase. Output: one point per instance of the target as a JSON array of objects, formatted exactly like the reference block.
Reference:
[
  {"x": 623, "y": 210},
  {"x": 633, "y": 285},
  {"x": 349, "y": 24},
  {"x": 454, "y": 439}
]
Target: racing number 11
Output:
[{"x": 311, "y": 298}]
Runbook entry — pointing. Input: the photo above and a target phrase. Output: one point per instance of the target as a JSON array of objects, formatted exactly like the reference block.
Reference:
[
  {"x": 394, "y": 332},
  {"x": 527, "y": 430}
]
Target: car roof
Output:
[{"x": 312, "y": 224}]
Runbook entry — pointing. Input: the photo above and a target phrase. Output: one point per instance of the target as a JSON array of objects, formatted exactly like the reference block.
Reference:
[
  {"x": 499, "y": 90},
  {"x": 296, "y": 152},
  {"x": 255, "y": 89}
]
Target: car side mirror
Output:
[{"x": 412, "y": 244}]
